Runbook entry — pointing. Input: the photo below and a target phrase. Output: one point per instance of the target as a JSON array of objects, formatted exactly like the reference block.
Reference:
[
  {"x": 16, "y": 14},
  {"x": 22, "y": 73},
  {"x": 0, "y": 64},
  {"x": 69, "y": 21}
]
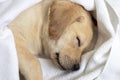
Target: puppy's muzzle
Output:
[{"x": 74, "y": 67}]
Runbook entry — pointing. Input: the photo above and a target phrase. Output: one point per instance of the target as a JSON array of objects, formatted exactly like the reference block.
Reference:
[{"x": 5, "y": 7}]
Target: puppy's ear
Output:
[
  {"x": 56, "y": 21},
  {"x": 59, "y": 18}
]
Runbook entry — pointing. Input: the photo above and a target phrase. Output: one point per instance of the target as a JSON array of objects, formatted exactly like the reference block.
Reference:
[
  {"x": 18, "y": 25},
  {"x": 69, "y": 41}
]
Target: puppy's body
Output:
[
  {"x": 27, "y": 27},
  {"x": 27, "y": 30},
  {"x": 43, "y": 30}
]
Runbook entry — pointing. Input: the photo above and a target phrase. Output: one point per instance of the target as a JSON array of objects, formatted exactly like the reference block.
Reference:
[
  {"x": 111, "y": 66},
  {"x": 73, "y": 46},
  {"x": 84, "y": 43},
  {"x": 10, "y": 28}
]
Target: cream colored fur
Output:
[{"x": 48, "y": 28}]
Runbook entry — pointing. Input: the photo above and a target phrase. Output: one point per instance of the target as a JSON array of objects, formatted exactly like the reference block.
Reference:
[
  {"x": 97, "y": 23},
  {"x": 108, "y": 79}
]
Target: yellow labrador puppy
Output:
[{"x": 59, "y": 29}]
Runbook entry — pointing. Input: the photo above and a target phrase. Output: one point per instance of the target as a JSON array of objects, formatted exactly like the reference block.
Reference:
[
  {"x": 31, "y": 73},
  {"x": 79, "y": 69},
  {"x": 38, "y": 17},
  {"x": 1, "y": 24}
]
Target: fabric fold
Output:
[{"x": 100, "y": 63}]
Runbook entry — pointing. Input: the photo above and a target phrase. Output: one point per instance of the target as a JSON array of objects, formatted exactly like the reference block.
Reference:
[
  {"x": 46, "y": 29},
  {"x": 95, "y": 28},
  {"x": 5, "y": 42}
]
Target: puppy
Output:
[{"x": 60, "y": 30}]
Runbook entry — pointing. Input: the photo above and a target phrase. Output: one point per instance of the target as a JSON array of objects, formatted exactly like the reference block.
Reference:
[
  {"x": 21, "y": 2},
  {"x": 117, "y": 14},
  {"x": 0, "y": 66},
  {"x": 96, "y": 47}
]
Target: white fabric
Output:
[
  {"x": 9, "y": 9},
  {"x": 101, "y": 63}
]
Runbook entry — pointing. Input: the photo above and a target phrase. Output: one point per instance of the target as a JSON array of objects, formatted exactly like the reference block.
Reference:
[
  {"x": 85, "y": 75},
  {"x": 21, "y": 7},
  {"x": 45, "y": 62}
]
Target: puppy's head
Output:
[{"x": 70, "y": 32}]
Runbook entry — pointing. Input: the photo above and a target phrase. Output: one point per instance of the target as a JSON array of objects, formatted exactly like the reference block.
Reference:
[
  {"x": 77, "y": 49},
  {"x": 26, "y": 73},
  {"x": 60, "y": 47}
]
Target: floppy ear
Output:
[
  {"x": 58, "y": 19},
  {"x": 56, "y": 22}
]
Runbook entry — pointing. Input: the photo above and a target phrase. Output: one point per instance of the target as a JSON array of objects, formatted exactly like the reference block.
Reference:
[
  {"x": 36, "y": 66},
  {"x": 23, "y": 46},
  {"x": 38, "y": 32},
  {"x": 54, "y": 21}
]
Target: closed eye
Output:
[{"x": 78, "y": 41}]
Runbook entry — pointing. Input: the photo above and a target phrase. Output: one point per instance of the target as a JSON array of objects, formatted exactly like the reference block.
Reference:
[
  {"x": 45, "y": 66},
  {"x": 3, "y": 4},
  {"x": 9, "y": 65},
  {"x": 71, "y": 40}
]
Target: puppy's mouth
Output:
[{"x": 58, "y": 61}]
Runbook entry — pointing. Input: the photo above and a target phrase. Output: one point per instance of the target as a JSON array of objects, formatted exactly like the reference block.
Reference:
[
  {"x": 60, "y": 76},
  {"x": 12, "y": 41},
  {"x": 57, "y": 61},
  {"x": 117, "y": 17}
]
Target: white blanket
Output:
[{"x": 101, "y": 63}]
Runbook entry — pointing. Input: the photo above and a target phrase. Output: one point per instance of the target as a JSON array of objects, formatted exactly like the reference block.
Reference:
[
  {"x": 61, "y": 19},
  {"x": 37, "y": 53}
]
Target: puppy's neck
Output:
[{"x": 44, "y": 30}]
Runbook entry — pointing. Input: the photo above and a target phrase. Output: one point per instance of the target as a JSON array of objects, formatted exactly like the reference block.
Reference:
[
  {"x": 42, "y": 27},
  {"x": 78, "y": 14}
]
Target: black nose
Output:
[{"x": 75, "y": 67}]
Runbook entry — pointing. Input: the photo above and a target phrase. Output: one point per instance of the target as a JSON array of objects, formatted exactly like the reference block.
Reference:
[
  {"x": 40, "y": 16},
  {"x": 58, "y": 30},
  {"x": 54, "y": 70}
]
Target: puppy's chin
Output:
[
  {"x": 60, "y": 66},
  {"x": 64, "y": 67},
  {"x": 63, "y": 64},
  {"x": 56, "y": 61}
]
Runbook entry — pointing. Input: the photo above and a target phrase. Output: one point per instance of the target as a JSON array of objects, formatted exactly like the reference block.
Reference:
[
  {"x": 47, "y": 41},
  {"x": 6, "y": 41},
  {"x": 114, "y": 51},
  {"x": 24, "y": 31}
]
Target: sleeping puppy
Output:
[{"x": 60, "y": 30}]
